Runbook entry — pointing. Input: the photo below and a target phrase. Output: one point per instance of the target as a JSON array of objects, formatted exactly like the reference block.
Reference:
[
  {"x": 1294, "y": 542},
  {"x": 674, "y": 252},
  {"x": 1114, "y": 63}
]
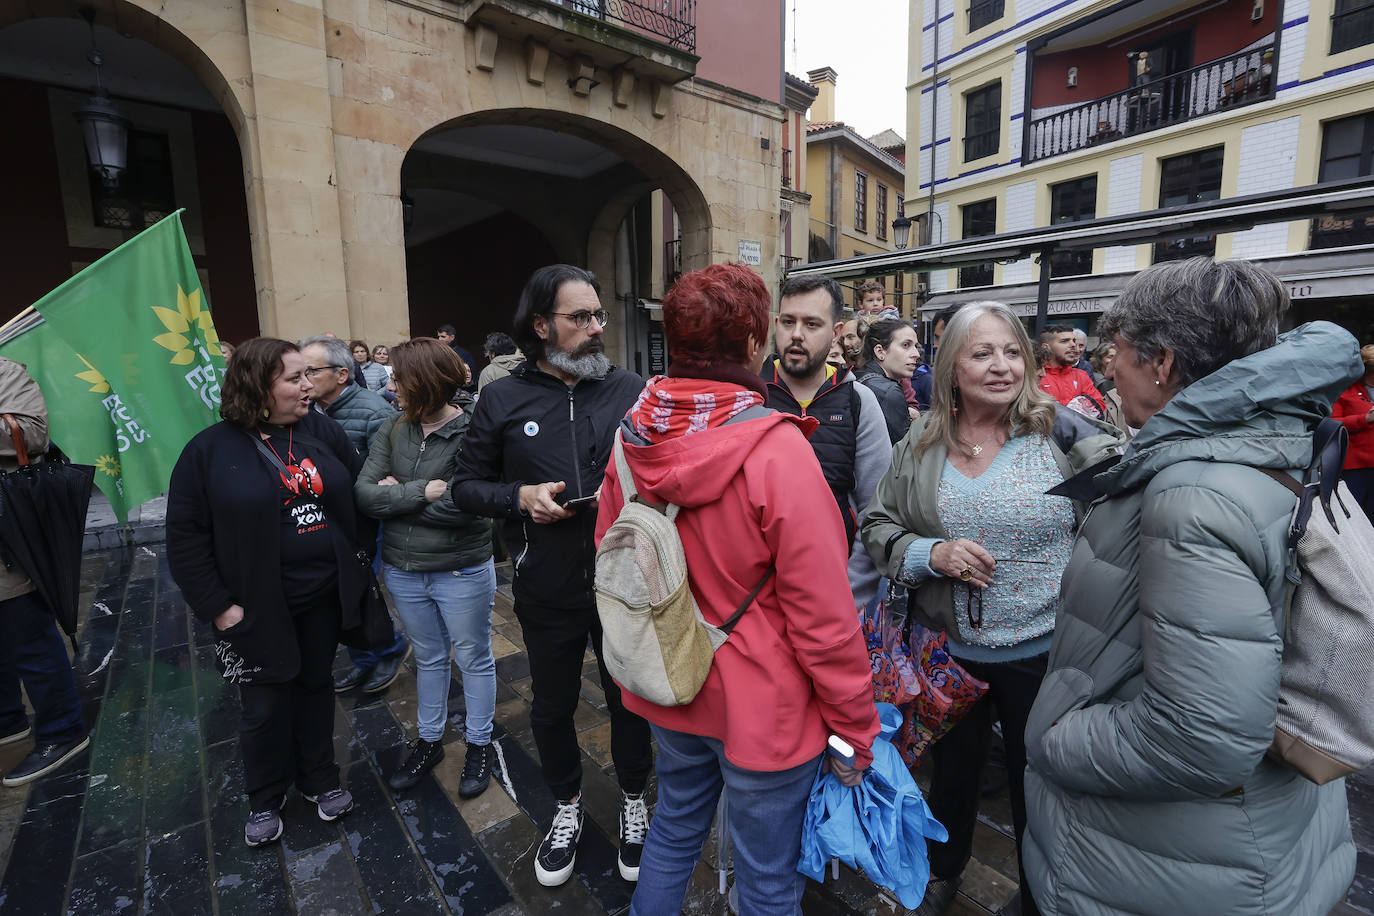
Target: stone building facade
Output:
[{"x": 449, "y": 146}]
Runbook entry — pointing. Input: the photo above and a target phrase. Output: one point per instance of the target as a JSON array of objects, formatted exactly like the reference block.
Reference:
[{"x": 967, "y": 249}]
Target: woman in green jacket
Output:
[
  {"x": 1147, "y": 788},
  {"x": 963, "y": 518},
  {"x": 437, "y": 559}
]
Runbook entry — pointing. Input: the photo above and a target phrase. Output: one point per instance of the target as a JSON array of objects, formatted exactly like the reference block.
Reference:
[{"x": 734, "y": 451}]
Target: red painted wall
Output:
[
  {"x": 224, "y": 218},
  {"x": 1103, "y": 70},
  {"x": 34, "y": 257},
  {"x": 740, "y": 45}
]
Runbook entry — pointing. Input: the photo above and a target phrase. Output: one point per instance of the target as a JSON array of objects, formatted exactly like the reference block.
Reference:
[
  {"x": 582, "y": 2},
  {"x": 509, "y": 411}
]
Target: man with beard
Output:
[
  {"x": 535, "y": 455},
  {"x": 851, "y": 441},
  {"x": 851, "y": 341}
]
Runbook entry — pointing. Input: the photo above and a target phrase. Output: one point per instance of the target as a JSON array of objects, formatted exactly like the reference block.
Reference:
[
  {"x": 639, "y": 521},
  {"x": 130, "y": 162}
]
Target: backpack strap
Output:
[
  {"x": 728, "y": 626},
  {"x": 21, "y": 451},
  {"x": 628, "y": 491}
]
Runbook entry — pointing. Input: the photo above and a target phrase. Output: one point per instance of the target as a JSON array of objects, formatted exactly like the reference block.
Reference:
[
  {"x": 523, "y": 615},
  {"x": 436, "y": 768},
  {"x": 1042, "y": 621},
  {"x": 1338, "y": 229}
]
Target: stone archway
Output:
[
  {"x": 183, "y": 110},
  {"x": 574, "y": 179}
]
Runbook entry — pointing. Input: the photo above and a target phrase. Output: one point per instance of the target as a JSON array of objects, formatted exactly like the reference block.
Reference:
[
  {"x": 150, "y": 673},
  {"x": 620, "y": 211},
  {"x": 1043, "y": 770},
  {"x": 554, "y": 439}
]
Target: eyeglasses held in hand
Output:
[{"x": 583, "y": 318}]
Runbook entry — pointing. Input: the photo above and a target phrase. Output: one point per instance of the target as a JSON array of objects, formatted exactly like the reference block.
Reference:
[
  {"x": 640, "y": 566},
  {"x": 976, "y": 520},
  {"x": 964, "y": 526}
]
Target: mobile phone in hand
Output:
[{"x": 573, "y": 505}]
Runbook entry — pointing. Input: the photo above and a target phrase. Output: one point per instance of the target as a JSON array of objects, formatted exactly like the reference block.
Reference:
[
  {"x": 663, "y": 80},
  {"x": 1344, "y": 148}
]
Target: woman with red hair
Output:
[{"x": 754, "y": 507}]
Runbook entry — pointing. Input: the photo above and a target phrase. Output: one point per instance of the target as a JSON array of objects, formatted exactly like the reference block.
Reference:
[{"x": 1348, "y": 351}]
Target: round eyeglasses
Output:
[{"x": 584, "y": 318}]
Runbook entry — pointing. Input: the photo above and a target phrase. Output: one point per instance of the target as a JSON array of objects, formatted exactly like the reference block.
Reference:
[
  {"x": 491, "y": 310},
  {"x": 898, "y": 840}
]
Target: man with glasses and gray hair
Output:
[
  {"x": 328, "y": 363},
  {"x": 535, "y": 455}
]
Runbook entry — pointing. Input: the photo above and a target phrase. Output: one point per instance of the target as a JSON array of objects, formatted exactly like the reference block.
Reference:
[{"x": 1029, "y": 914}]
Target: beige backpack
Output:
[{"x": 655, "y": 642}]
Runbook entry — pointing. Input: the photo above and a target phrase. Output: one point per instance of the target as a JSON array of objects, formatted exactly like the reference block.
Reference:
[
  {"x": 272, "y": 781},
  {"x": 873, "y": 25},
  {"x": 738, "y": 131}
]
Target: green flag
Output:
[{"x": 132, "y": 336}]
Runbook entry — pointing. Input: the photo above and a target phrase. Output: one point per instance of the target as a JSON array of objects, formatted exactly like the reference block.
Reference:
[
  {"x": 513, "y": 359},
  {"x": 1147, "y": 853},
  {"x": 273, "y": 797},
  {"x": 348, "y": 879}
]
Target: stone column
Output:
[{"x": 293, "y": 187}]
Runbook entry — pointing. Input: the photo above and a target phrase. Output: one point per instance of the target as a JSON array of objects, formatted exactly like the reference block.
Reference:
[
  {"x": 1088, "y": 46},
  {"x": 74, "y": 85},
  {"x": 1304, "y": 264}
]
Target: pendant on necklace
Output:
[{"x": 977, "y": 450}]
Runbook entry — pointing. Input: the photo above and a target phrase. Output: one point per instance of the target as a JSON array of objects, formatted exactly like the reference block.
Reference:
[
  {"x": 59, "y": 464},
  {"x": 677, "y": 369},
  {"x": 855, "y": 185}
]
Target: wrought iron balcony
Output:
[
  {"x": 673, "y": 21},
  {"x": 1218, "y": 85}
]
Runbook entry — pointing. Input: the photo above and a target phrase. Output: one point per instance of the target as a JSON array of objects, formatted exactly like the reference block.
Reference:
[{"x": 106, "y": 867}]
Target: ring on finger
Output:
[{"x": 966, "y": 573}]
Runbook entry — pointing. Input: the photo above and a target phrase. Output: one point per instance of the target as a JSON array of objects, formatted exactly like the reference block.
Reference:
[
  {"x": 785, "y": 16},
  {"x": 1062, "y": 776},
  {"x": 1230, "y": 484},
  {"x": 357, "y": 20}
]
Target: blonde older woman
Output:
[{"x": 962, "y": 518}]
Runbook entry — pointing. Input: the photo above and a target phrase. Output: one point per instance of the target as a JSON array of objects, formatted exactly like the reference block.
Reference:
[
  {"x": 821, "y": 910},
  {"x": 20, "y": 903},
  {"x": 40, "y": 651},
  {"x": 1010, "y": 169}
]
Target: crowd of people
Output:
[{"x": 1131, "y": 653}]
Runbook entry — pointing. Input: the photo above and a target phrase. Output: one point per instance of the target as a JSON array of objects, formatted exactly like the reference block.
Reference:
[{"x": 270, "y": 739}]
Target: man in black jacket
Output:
[{"x": 535, "y": 455}]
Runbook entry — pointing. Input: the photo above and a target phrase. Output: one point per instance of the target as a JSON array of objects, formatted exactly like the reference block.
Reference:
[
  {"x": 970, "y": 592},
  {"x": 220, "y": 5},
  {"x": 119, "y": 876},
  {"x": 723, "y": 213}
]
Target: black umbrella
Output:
[{"x": 42, "y": 524}]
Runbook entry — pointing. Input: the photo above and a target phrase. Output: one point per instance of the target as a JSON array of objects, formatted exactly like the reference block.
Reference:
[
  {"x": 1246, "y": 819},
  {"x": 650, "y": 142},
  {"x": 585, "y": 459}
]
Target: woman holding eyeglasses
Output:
[{"x": 962, "y": 518}]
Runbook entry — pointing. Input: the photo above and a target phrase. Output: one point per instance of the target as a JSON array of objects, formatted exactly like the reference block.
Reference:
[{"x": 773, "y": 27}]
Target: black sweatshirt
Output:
[
  {"x": 224, "y": 530},
  {"x": 531, "y": 428}
]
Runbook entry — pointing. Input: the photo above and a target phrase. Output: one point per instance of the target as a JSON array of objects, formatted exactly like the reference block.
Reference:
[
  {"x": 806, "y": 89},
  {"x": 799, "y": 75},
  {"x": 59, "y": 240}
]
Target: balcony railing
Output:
[
  {"x": 674, "y": 21},
  {"x": 1218, "y": 85}
]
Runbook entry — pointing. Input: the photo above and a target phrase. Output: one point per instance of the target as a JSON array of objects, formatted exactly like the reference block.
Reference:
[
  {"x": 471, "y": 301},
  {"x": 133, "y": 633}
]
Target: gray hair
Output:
[
  {"x": 335, "y": 349},
  {"x": 1207, "y": 312}
]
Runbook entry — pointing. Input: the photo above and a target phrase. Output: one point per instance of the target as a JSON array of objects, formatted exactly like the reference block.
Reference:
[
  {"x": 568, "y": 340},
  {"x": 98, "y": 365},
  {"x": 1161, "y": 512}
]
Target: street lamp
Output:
[
  {"x": 901, "y": 231},
  {"x": 105, "y": 130}
]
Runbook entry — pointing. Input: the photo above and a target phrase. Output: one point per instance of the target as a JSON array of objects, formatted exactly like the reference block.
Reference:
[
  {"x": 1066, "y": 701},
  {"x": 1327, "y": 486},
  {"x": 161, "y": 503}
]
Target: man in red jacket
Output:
[{"x": 1067, "y": 384}]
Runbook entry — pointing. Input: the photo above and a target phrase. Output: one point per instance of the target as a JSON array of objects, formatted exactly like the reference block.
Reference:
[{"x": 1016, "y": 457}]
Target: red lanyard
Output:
[{"x": 291, "y": 483}]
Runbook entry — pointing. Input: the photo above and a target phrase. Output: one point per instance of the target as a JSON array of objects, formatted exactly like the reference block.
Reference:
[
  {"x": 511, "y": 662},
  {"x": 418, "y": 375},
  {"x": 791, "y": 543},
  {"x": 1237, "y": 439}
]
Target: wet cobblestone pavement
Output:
[{"x": 150, "y": 819}]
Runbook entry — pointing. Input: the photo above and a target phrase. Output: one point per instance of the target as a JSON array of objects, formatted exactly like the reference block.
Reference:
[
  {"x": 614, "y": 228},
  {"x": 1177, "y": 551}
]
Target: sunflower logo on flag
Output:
[
  {"x": 180, "y": 338},
  {"x": 108, "y": 465},
  {"x": 99, "y": 384}
]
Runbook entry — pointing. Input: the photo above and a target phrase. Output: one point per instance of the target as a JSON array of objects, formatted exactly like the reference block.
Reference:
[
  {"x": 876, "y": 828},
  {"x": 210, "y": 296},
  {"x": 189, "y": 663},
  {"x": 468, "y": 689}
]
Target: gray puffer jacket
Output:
[
  {"x": 361, "y": 413},
  {"x": 419, "y": 535},
  {"x": 1147, "y": 787}
]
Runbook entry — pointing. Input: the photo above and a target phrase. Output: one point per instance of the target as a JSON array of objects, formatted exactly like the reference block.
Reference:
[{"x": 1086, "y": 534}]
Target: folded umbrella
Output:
[
  {"x": 880, "y": 826},
  {"x": 42, "y": 523}
]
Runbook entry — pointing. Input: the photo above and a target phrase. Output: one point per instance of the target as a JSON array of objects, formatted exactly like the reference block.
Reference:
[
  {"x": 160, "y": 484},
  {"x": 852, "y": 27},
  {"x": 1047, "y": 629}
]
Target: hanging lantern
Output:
[{"x": 104, "y": 129}]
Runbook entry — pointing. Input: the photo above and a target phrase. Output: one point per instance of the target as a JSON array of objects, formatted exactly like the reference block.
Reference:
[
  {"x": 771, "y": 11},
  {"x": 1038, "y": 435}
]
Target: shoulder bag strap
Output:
[
  {"x": 270, "y": 457},
  {"x": 21, "y": 451},
  {"x": 728, "y": 626},
  {"x": 628, "y": 490}
]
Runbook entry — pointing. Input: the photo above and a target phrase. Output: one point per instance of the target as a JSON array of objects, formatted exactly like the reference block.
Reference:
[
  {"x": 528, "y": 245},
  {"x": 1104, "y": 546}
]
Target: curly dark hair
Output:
[{"x": 247, "y": 387}]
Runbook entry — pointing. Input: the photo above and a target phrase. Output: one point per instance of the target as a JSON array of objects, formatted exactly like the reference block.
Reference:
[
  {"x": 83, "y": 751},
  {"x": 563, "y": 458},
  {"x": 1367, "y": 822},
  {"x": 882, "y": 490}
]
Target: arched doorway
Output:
[
  {"x": 527, "y": 187},
  {"x": 184, "y": 152}
]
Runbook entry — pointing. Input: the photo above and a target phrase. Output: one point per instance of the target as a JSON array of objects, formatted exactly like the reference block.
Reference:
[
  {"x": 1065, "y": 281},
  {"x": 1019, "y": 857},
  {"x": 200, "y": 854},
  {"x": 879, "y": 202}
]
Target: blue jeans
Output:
[
  {"x": 437, "y": 607},
  {"x": 765, "y": 827},
  {"x": 32, "y": 649}
]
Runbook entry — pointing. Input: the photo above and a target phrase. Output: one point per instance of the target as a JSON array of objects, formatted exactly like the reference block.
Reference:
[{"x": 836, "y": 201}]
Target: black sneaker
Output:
[
  {"x": 44, "y": 759},
  {"x": 421, "y": 759},
  {"x": 476, "y": 771},
  {"x": 634, "y": 825},
  {"x": 333, "y": 804},
  {"x": 17, "y": 733},
  {"x": 938, "y": 898},
  {"x": 554, "y": 863}
]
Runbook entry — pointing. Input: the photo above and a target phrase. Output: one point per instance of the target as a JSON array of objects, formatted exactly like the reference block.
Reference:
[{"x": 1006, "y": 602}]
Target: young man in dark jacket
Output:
[
  {"x": 851, "y": 441},
  {"x": 535, "y": 455},
  {"x": 361, "y": 413}
]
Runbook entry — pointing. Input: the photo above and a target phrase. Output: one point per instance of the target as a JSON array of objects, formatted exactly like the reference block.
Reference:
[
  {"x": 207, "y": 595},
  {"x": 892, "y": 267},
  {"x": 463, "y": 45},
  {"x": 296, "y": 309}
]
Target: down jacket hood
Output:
[{"x": 1259, "y": 410}]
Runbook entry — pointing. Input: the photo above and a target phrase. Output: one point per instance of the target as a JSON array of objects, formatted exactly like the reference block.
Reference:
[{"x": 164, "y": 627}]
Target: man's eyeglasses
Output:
[
  {"x": 581, "y": 319},
  {"x": 312, "y": 371}
]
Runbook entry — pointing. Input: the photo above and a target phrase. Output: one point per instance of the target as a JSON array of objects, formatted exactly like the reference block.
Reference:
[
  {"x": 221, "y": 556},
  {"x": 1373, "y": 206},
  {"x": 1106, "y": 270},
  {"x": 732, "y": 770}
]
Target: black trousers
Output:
[
  {"x": 556, "y": 640},
  {"x": 957, "y": 762},
  {"x": 286, "y": 734}
]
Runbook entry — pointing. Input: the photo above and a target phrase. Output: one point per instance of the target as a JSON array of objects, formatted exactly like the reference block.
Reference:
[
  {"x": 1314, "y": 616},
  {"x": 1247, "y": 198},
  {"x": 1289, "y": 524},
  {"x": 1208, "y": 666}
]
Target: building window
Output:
[
  {"x": 901, "y": 205},
  {"x": 1187, "y": 180},
  {"x": 984, "y": 12},
  {"x": 880, "y": 218},
  {"x": 982, "y": 121},
  {"x": 979, "y": 219},
  {"x": 1352, "y": 24},
  {"x": 860, "y": 202},
  {"x": 144, "y": 194},
  {"x": 1071, "y": 201},
  {"x": 897, "y": 285},
  {"x": 1347, "y": 150}
]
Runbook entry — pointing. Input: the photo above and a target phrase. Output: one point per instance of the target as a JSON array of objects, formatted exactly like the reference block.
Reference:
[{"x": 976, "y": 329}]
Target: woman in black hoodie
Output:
[{"x": 261, "y": 539}]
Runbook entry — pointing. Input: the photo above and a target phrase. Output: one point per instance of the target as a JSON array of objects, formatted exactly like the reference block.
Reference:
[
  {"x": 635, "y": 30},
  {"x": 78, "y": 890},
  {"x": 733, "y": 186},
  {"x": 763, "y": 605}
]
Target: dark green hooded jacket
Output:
[{"x": 418, "y": 535}]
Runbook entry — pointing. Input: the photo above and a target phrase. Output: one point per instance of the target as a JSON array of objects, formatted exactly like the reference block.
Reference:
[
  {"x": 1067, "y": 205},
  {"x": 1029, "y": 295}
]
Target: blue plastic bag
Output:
[{"x": 880, "y": 826}]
